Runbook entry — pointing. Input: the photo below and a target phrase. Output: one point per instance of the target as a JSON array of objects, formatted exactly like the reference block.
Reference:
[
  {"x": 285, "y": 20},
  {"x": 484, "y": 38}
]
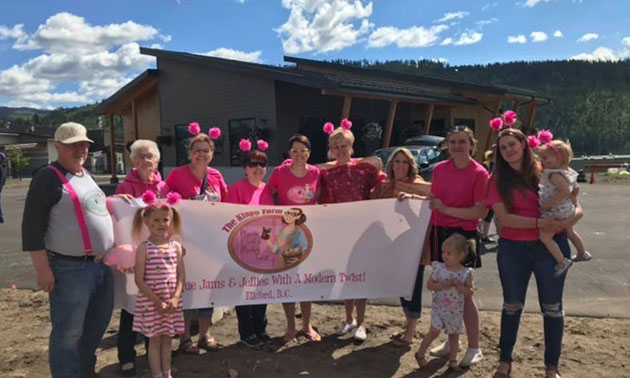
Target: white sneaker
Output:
[
  {"x": 443, "y": 350},
  {"x": 360, "y": 334},
  {"x": 346, "y": 328},
  {"x": 471, "y": 357}
]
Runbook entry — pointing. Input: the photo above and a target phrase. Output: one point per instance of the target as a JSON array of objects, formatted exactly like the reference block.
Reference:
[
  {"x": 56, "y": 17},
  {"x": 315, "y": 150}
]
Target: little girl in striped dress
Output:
[{"x": 159, "y": 275}]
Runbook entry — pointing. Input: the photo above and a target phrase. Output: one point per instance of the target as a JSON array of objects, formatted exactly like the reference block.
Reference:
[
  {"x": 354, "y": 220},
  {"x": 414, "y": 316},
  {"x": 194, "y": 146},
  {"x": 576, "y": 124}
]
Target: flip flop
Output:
[
  {"x": 208, "y": 343},
  {"x": 187, "y": 347},
  {"x": 289, "y": 336},
  {"x": 312, "y": 336}
]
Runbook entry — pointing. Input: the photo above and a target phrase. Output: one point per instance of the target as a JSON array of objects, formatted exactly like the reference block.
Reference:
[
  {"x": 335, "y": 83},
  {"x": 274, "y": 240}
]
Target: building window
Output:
[{"x": 244, "y": 128}]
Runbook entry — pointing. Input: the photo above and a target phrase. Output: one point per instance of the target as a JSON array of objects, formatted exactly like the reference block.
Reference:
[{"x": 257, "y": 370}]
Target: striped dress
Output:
[{"x": 161, "y": 276}]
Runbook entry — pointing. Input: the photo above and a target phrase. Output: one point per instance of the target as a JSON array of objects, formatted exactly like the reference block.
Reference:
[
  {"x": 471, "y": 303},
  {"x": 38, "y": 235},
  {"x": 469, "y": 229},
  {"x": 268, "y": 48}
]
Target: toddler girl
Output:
[
  {"x": 556, "y": 185},
  {"x": 450, "y": 282},
  {"x": 159, "y": 274}
]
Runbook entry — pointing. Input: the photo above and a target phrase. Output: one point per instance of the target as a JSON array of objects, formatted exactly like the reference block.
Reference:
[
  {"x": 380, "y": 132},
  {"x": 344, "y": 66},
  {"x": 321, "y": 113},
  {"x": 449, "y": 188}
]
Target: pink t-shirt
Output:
[
  {"x": 458, "y": 188},
  {"x": 184, "y": 182},
  {"x": 293, "y": 190},
  {"x": 525, "y": 204},
  {"x": 247, "y": 194}
]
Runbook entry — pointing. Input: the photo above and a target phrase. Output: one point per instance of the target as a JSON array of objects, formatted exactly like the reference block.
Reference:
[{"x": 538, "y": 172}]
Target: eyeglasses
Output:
[
  {"x": 300, "y": 150},
  {"x": 145, "y": 156},
  {"x": 254, "y": 164}
]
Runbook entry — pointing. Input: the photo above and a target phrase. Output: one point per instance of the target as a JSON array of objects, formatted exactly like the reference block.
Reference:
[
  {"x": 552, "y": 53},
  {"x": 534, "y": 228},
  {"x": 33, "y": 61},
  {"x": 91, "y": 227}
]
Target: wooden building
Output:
[{"x": 274, "y": 103}]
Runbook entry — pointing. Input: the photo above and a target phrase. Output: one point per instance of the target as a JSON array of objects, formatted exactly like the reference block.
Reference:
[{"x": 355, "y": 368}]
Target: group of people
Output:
[{"x": 67, "y": 230}]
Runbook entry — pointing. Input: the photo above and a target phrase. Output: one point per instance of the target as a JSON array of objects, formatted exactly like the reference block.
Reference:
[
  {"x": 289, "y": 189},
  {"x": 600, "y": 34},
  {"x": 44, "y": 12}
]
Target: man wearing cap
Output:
[
  {"x": 3, "y": 179},
  {"x": 67, "y": 229}
]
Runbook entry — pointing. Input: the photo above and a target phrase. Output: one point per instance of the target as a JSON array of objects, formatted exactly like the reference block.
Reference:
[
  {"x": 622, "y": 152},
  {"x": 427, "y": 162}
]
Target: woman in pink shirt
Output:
[
  {"x": 197, "y": 181},
  {"x": 513, "y": 195},
  {"x": 345, "y": 180},
  {"x": 251, "y": 190},
  {"x": 458, "y": 191},
  {"x": 296, "y": 183}
]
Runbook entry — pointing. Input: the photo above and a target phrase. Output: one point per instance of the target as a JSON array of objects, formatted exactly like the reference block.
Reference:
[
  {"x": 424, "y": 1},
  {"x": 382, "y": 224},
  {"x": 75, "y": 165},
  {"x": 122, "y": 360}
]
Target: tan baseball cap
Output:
[{"x": 71, "y": 132}]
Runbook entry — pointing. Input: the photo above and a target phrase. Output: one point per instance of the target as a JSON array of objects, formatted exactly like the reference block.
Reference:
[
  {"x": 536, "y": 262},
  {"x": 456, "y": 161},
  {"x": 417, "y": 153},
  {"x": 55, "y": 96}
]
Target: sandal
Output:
[
  {"x": 186, "y": 346},
  {"x": 453, "y": 365},
  {"x": 586, "y": 256},
  {"x": 312, "y": 336},
  {"x": 400, "y": 341},
  {"x": 208, "y": 343},
  {"x": 289, "y": 336},
  {"x": 422, "y": 362},
  {"x": 553, "y": 370},
  {"x": 498, "y": 374}
]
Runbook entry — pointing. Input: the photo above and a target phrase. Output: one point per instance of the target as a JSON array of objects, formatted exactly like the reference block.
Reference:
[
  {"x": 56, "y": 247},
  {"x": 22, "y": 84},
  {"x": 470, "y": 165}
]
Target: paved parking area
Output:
[{"x": 597, "y": 288}]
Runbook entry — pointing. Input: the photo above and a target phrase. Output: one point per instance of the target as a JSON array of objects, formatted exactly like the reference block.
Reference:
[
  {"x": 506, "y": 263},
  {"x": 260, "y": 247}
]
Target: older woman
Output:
[
  {"x": 145, "y": 157},
  {"x": 296, "y": 184},
  {"x": 252, "y": 319},
  {"x": 403, "y": 181},
  {"x": 458, "y": 190},
  {"x": 513, "y": 195},
  {"x": 344, "y": 180},
  {"x": 197, "y": 181}
]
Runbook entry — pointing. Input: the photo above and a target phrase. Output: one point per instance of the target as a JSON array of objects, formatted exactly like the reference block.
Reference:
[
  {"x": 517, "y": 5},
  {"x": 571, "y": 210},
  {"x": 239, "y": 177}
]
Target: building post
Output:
[
  {"x": 112, "y": 150},
  {"x": 391, "y": 115},
  {"x": 428, "y": 119},
  {"x": 347, "y": 103}
]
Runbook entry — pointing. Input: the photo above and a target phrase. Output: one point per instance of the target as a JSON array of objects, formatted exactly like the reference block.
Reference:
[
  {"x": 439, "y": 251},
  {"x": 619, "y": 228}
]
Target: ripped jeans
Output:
[{"x": 516, "y": 261}]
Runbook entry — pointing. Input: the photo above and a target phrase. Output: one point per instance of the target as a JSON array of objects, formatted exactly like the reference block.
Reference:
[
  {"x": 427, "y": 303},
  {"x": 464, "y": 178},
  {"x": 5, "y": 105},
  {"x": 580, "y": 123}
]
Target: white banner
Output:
[{"x": 240, "y": 254}]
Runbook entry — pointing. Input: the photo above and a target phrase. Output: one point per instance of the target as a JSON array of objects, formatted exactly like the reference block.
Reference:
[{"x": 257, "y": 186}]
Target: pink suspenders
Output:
[{"x": 78, "y": 210}]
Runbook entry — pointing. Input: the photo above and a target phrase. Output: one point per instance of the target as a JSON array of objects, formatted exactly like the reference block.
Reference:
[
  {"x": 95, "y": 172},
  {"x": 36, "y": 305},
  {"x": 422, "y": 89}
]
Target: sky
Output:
[{"x": 76, "y": 52}]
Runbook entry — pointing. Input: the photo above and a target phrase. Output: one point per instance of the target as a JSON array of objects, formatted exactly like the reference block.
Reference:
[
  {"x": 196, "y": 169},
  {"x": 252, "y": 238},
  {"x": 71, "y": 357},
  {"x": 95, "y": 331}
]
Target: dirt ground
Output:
[{"x": 593, "y": 347}]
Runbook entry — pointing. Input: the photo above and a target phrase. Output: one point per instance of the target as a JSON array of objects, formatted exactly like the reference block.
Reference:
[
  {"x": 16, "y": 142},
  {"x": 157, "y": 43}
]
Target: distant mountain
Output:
[{"x": 13, "y": 113}]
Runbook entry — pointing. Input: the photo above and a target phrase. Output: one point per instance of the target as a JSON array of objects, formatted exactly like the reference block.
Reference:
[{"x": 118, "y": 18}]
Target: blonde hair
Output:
[
  {"x": 412, "y": 173},
  {"x": 560, "y": 147},
  {"x": 201, "y": 137},
  {"x": 144, "y": 212},
  {"x": 337, "y": 135},
  {"x": 143, "y": 143},
  {"x": 460, "y": 244}
]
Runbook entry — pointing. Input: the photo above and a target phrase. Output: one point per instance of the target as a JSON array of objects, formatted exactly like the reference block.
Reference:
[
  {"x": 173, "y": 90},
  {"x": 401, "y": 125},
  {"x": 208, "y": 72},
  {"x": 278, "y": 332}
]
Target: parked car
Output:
[
  {"x": 424, "y": 140},
  {"x": 426, "y": 157}
]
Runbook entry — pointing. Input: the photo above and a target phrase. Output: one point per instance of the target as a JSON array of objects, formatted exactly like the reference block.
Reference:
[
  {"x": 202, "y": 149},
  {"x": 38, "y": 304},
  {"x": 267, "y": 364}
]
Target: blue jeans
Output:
[
  {"x": 413, "y": 308},
  {"x": 81, "y": 306},
  {"x": 516, "y": 261}
]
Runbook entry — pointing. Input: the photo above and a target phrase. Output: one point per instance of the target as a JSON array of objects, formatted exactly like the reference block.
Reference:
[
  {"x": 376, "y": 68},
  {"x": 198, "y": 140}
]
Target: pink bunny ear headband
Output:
[
  {"x": 150, "y": 199},
  {"x": 194, "y": 129},
  {"x": 329, "y": 127},
  {"x": 246, "y": 145}
]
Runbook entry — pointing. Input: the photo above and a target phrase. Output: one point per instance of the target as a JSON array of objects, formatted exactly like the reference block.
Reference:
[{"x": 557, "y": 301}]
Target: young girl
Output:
[
  {"x": 160, "y": 280},
  {"x": 450, "y": 282},
  {"x": 556, "y": 184}
]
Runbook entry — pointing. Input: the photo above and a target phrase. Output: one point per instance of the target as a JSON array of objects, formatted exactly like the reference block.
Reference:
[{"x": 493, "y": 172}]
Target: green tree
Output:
[{"x": 18, "y": 160}]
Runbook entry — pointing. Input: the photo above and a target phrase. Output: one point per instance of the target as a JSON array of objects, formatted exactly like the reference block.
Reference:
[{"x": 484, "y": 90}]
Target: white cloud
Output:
[
  {"x": 489, "y": 5},
  {"x": 67, "y": 33},
  {"x": 322, "y": 26},
  {"x": 588, "y": 37},
  {"x": 483, "y": 23},
  {"x": 446, "y": 41},
  {"x": 538, "y": 36},
  {"x": 416, "y": 36},
  {"x": 253, "y": 57},
  {"x": 558, "y": 34},
  {"x": 89, "y": 61},
  {"x": 166, "y": 38},
  {"x": 440, "y": 60},
  {"x": 533, "y": 3},
  {"x": 600, "y": 54},
  {"x": 453, "y": 16},
  {"x": 517, "y": 38},
  {"x": 626, "y": 41},
  {"x": 15, "y": 32},
  {"x": 468, "y": 38}
]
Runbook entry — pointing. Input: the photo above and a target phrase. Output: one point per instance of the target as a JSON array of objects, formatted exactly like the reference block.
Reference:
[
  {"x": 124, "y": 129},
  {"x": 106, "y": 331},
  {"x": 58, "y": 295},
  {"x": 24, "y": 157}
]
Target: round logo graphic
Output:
[
  {"x": 94, "y": 202},
  {"x": 271, "y": 243},
  {"x": 301, "y": 194}
]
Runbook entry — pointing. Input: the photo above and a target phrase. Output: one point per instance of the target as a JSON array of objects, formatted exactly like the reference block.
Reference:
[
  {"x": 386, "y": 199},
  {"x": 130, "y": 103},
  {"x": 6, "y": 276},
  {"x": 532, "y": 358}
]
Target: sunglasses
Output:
[{"x": 254, "y": 164}]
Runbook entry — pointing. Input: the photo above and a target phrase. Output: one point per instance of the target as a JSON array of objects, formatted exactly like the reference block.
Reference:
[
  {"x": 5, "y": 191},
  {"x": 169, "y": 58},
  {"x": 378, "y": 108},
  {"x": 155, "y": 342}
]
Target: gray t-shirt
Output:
[{"x": 50, "y": 221}]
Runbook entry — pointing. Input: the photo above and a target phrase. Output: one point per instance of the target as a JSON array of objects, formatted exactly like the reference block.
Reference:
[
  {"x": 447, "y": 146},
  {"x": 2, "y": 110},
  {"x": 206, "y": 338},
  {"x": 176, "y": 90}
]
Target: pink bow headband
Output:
[
  {"x": 150, "y": 199},
  {"x": 508, "y": 119},
  {"x": 194, "y": 129},
  {"x": 246, "y": 145},
  {"x": 329, "y": 127}
]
